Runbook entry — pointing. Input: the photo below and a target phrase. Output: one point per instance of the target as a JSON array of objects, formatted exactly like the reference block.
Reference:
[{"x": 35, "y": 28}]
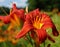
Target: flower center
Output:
[{"x": 37, "y": 23}]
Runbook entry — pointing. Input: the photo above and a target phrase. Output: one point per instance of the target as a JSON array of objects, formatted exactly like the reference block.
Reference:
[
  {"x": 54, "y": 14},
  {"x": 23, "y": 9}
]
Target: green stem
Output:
[
  {"x": 30, "y": 38},
  {"x": 4, "y": 44},
  {"x": 44, "y": 43},
  {"x": 37, "y": 45}
]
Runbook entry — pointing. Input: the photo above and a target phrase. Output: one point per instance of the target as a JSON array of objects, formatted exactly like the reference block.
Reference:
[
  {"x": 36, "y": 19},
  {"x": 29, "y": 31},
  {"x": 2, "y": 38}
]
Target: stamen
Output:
[
  {"x": 37, "y": 22},
  {"x": 36, "y": 18}
]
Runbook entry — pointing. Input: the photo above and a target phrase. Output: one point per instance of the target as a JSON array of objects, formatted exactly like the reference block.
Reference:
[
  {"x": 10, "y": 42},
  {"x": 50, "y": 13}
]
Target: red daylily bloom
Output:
[
  {"x": 18, "y": 13},
  {"x": 38, "y": 23}
]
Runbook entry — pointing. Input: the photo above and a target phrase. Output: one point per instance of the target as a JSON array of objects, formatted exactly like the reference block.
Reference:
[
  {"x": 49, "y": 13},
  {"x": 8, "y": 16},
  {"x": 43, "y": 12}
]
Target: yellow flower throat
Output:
[{"x": 37, "y": 23}]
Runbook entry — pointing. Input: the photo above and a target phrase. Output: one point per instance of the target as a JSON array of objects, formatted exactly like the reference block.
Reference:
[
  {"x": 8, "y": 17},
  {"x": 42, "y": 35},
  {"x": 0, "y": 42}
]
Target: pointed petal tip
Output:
[
  {"x": 55, "y": 32},
  {"x": 17, "y": 37}
]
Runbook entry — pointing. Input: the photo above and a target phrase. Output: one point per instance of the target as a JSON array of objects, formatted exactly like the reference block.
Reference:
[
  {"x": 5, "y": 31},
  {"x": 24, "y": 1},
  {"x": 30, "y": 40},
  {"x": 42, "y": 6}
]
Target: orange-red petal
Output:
[
  {"x": 19, "y": 13},
  {"x": 41, "y": 33},
  {"x": 49, "y": 24},
  {"x": 26, "y": 28},
  {"x": 54, "y": 31},
  {"x": 5, "y": 19}
]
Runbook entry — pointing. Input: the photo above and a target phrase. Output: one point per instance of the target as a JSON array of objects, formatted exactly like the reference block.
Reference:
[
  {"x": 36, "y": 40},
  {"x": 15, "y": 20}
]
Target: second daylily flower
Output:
[{"x": 14, "y": 12}]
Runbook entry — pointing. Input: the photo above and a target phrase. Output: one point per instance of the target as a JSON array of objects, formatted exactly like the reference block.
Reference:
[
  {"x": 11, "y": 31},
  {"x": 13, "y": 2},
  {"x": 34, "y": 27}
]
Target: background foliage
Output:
[
  {"x": 43, "y": 4},
  {"x": 46, "y": 5}
]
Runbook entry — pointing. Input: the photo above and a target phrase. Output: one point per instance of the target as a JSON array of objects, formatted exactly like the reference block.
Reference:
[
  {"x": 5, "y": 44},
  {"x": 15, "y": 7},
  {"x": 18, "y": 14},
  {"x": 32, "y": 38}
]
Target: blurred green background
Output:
[{"x": 51, "y": 7}]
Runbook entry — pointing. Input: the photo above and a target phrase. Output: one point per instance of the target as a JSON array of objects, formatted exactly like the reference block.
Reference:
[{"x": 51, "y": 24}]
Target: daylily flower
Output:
[
  {"x": 37, "y": 23},
  {"x": 13, "y": 12}
]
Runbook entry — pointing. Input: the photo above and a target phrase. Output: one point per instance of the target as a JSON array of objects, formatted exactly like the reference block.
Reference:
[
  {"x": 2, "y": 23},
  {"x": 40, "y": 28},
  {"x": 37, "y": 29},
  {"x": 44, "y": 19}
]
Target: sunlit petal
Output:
[{"x": 26, "y": 28}]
